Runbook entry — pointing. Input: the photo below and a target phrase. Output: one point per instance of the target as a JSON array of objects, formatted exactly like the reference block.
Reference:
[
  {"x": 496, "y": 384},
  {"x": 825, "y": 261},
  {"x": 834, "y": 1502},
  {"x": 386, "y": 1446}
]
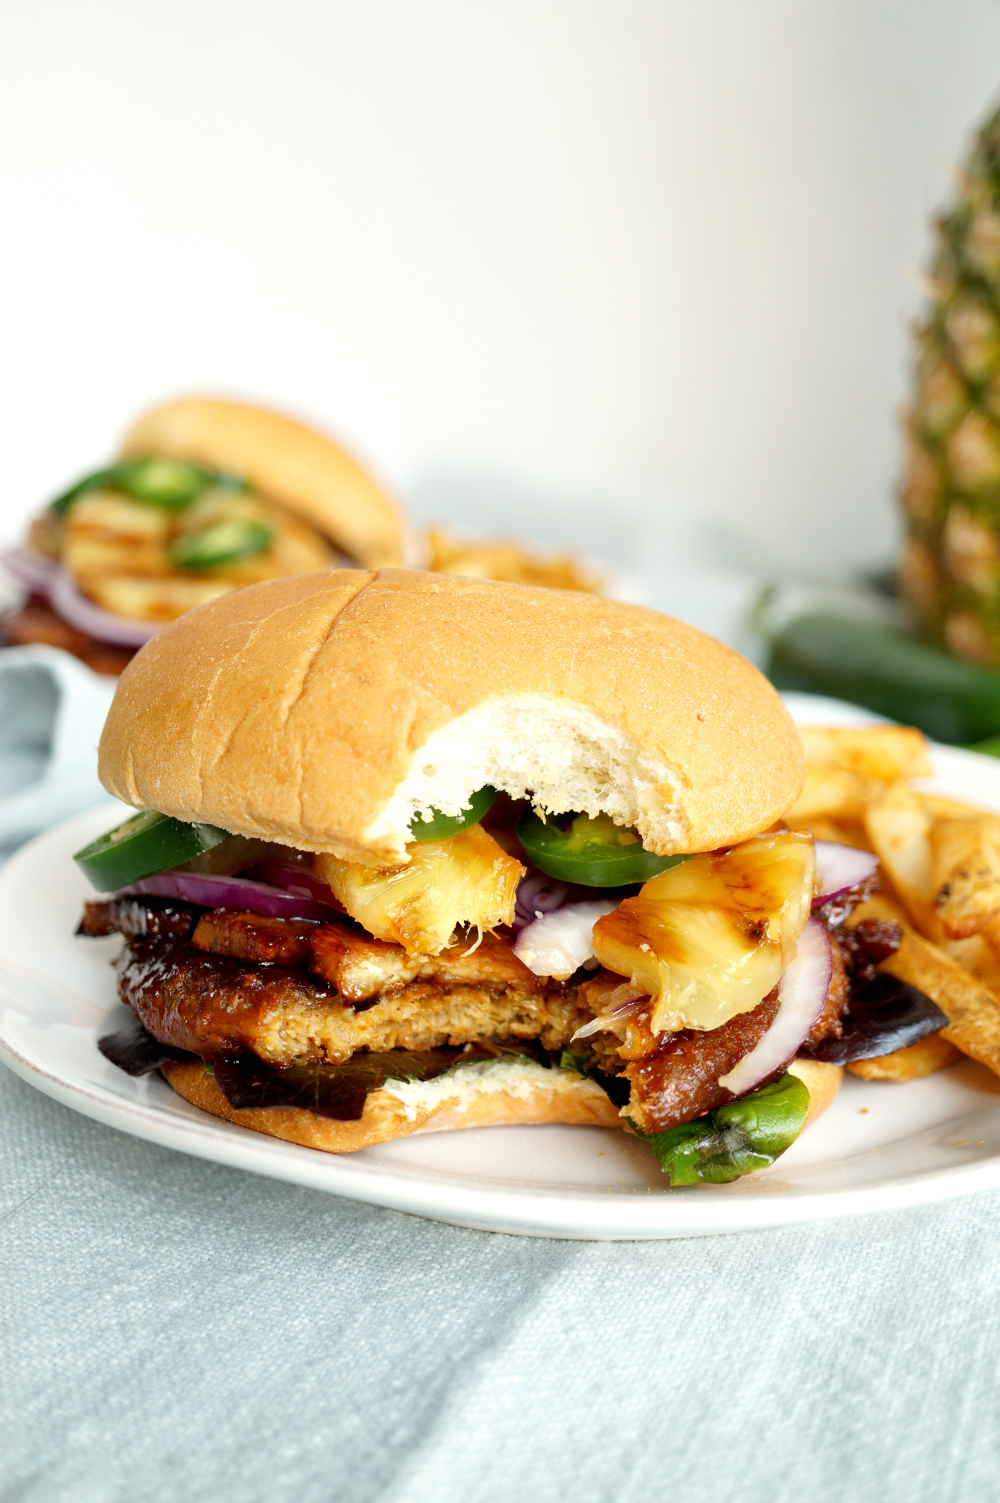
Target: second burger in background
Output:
[{"x": 206, "y": 496}]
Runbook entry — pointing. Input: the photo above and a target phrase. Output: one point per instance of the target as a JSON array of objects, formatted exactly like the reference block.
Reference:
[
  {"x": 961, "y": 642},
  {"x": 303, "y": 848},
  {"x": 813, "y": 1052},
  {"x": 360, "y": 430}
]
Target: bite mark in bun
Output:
[{"x": 349, "y": 701}]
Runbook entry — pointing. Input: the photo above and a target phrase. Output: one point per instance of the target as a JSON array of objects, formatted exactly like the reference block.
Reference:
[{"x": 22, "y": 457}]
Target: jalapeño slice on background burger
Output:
[{"x": 170, "y": 483}]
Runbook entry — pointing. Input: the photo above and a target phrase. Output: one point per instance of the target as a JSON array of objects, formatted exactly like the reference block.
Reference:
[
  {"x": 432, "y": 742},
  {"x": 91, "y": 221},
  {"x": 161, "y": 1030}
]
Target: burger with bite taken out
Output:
[{"x": 418, "y": 852}]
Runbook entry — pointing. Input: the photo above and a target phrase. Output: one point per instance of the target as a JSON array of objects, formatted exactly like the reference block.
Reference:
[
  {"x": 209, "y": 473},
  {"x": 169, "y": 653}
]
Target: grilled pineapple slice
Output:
[
  {"x": 467, "y": 879},
  {"x": 105, "y": 534},
  {"x": 296, "y": 548},
  {"x": 709, "y": 939},
  {"x": 154, "y": 599}
]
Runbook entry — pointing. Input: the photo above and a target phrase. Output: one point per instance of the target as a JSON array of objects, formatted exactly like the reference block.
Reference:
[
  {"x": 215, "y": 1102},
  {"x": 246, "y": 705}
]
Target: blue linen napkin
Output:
[{"x": 52, "y": 708}]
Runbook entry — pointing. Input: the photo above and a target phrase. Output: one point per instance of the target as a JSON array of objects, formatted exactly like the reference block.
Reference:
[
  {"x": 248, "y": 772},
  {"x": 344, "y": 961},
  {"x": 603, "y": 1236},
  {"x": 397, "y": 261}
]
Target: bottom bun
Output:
[
  {"x": 508, "y": 1091},
  {"x": 821, "y": 1080},
  {"x": 502, "y": 1091}
]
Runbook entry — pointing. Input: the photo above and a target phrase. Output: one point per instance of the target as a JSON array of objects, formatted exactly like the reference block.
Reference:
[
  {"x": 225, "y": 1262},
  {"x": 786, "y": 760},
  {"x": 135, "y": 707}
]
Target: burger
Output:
[
  {"x": 418, "y": 852},
  {"x": 207, "y": 496},
  {"x": 204, "y": 497}
]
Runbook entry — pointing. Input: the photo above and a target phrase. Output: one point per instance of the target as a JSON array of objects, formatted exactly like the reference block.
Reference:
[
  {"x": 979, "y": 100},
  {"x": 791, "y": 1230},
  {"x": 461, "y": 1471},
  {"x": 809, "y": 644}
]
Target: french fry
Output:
[
  {"x": 940, "y": 870},
  {"x": 991, "y": 935},
  {"x": 829, "y": 793},
  {"x": 899, "y": 831},
  {"x": 977, "y": 957},
  {"x": 941, "y": 808},
  {"x": 846, "y": 832},
  {"x": 494, "y": 559},
  {"x": 932, "y": 1053},
  {"x": 965, "y": 863},
  {"x": 882, "y": 752},
  {"x": 972, "y": 1009}
]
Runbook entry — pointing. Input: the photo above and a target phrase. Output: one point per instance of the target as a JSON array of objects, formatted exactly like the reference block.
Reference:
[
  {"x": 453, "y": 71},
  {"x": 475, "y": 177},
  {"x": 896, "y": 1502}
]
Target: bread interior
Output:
[{"x": 561, "y": 755}]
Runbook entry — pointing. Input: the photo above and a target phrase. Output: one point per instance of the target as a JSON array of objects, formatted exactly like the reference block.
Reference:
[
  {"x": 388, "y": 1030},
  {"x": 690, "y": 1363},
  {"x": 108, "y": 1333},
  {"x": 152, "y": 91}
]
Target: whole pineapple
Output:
[{"x": 951, "y": 565}]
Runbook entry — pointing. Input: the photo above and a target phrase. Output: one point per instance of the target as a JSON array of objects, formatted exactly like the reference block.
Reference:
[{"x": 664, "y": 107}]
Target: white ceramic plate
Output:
[{"x": 880, "y": 1146}]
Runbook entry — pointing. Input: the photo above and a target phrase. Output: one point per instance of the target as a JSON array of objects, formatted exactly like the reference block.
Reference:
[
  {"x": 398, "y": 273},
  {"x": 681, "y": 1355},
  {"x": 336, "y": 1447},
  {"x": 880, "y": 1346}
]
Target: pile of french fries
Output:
[
  {"x": 939, "y": 869},
  {"x": 510, "y": 561}
]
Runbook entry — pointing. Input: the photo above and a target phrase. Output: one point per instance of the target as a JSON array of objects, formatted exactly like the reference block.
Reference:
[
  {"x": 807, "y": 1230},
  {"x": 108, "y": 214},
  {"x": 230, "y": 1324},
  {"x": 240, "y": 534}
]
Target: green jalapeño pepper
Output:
[
  {"x": 171, "y": 483},
  {"x": 888, "y": 671},
  {"x": 222, "y": 543},
  {"x": 442, "y": 826},
  {"x": 736, "y": 1139},
  {"x": 591, "y": 852},
  {"x": 147, "y": 843},
  {"x": 97, "y": 481}
]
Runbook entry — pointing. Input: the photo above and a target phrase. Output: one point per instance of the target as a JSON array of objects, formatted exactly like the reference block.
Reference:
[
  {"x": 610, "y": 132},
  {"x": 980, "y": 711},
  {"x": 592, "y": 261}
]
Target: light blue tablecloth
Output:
[{"x": 170, "y": 1329}]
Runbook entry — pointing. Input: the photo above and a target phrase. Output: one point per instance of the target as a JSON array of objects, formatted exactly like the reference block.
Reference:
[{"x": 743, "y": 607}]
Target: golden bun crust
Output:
[
  {"x": 295, "y": 710},
  {"x": 822, "y": 1081},
  {"x": 385, "y": 1116},
  {"x": 285, "y": 460}
]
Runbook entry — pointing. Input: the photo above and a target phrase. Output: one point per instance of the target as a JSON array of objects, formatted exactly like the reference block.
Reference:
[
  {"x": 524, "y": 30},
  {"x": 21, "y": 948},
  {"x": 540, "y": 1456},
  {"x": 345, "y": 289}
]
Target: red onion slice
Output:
[
  {"x": 297, "y": 879},
  {"x": 45, "y": 577},
  {"x": 538, "y": 894},
  {"x": 227, "y": 892},
  {"x": 31, "y": 568},
  {"x": 802, "y": 991},
  {"x": 839, "y": 868},
  {"x": 558, "y": 943},
  {"x": 88, "y": 617}
]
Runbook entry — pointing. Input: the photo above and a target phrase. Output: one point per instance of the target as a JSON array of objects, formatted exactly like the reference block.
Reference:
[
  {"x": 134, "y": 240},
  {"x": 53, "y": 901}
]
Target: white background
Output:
[{"x": 635, "y": 273}]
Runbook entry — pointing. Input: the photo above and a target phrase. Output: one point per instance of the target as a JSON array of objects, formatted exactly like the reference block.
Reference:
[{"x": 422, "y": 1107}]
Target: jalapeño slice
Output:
[
  {"x": 442, "y": 826},
  {"x": 171, "y": 483},
  {"x": 590, "y": 852},
  {"x": 222, "y": 543},
  {"x": 96, "y": 481},
  {"x": 146, "y": 843}
]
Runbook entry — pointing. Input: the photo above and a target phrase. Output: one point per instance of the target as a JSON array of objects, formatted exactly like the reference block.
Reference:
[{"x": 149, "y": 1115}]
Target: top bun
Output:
[
  {"x": 284, "y": 460},
  {"x": 324, "y": 710}
]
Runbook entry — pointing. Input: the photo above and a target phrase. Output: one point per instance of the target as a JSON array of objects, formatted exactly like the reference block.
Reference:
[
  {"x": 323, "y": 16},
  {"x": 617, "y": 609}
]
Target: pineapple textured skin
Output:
[{"x": 950, "y": 572}]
